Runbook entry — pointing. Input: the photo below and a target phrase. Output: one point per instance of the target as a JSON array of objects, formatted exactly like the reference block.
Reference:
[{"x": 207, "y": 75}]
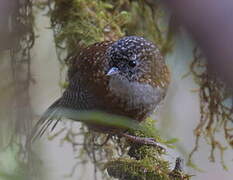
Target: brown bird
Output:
[{"x": 127, "y": 77}]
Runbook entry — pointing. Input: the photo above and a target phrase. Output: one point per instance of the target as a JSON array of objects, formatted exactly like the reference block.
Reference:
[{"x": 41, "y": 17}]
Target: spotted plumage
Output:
[{"x": 127, "y": 77}]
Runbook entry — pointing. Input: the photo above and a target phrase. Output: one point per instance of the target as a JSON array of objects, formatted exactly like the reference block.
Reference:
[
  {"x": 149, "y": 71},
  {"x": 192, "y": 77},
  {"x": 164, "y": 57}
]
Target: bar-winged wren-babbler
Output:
[{"x": 127, "y": 77}]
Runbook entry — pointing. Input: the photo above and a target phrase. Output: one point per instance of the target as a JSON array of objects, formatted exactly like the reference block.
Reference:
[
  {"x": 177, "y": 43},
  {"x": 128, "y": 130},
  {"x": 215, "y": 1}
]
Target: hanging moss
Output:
[
  {"x": 20, "y": 22},
  {"x": 215, "y": 108}
]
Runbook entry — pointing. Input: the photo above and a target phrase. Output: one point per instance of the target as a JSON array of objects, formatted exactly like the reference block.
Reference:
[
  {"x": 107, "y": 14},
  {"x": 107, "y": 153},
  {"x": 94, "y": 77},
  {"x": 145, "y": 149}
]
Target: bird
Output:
[{"x": 127, "y": 77}]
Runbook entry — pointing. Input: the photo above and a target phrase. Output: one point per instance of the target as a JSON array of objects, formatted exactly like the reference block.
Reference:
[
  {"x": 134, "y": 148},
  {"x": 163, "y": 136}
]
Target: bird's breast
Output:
[{"x": 133, "y": 99}]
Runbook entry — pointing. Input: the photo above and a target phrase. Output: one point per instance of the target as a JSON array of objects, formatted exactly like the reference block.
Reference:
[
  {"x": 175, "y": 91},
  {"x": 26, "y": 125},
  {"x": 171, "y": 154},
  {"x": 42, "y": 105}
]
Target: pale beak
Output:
[{"x": 112, "y": 71}]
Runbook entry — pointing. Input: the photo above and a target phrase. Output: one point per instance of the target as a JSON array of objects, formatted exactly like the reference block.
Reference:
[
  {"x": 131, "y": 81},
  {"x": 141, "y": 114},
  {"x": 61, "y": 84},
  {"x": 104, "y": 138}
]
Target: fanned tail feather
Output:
[{"x": 51, "y": 114}]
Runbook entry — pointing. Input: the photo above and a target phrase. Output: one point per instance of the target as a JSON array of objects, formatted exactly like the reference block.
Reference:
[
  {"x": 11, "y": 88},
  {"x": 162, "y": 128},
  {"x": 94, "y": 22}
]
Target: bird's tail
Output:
[{"x": 51, "y": 114}]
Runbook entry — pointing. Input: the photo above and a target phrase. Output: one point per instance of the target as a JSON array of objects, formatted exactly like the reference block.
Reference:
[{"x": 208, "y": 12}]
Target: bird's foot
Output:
[{"x": 144, "y": 141}]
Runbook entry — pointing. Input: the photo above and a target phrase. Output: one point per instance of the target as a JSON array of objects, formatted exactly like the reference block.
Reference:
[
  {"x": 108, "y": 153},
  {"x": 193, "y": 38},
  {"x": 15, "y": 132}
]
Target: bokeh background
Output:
[{"x": 177, "y": 118}]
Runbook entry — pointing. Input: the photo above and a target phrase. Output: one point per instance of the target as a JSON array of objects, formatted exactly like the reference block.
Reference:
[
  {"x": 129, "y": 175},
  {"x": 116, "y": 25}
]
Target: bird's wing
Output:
[{"x": 76, "y": 97}]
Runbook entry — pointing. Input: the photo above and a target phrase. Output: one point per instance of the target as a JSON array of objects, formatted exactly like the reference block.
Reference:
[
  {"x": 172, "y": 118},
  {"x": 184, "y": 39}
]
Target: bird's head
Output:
[{"x": 132, "y": 58}]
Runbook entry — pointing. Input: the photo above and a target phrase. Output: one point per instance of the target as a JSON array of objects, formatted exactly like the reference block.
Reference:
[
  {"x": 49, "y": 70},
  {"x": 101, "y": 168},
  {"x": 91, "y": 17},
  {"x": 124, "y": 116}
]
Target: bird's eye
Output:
[{"x": 132, "y": 63}]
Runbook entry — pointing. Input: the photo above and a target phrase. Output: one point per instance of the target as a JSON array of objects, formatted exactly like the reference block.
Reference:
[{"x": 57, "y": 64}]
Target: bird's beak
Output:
[{"x": 112, "y": 71}]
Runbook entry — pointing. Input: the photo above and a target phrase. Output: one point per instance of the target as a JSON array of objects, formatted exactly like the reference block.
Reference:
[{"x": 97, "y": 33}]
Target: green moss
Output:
[
  {"x": 151, "y": 131},
  {"x": 131, "y": 169},
  {"x": 144, "y": 162},
  {"x": 84, "y": 22},
  {"x": 78, "y": 23}
]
